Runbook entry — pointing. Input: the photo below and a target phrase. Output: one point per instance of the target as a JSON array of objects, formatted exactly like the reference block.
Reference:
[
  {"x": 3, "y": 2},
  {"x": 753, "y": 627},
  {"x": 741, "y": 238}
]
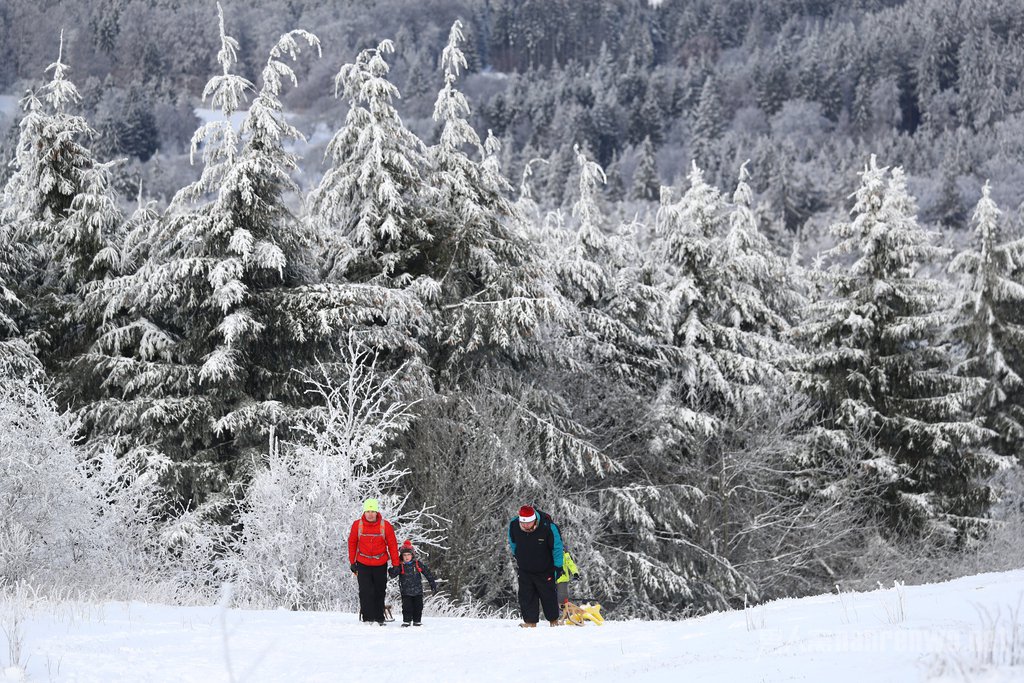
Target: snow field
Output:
[{"x": 964, "y": 630}]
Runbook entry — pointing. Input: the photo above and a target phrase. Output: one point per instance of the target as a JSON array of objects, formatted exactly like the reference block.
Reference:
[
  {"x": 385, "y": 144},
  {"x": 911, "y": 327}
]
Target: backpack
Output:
[
  {"x": 544, "y": 517},
  {"x": 382, "y": 534}
]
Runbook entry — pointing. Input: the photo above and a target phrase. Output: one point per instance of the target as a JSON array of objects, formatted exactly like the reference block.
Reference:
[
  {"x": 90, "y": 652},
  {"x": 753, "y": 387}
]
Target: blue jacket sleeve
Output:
[
  {"x": 556, "y": 547},
  {"x": 511, "y": 543}
]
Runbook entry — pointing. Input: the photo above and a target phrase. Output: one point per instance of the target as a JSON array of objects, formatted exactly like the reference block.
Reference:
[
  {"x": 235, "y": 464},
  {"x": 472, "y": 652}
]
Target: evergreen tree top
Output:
[
  {"x": 451, "y": 108},
  {"x": 369, "y": 200},
  {"x": 687, "y": 225},
  {"x": 889, "y": 243},
  {"x": 587, "y": 208},
  {"x": 50, "y": 158},
  {"x": 60, "y": 92}
]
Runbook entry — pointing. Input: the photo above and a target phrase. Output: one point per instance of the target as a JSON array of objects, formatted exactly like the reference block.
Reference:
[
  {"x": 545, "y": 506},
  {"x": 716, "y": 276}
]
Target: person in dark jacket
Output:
[
  {"x": 536, "y": 545},
  {"x": 410, "y": 573}
]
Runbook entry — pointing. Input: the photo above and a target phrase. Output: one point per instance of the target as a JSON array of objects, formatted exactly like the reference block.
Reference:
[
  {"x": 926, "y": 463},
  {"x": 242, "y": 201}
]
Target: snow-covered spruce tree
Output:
[
  {"x": 624, "y": 354},
  {"x": 527, "y": 203},
  {"x": 725, "y": 333},
  {"x": 369, "y": 204},
  {"x": 492, "y": 333},
  {"x": 86, "y": 251},
  {"x": 764, "y": 291},
  {"x": 876, "y": 365},
  {"x": 663, "y": 570},
  {"x": 779, "y": 516},
  {"x": 209, "y": 338},
  {"x": 645, "y": 178},
  {"x": 305, "y": 494},
  {"x": 484, "y": 286},
  {"x": 692, "y": 532},
  {"x": 600, "y": 273},
  {"x": 989, "y": 328},
  {"x": 707, "y": 124},
  {"x": 60, "y": 221},
  {"x": 49, "y": 158}
]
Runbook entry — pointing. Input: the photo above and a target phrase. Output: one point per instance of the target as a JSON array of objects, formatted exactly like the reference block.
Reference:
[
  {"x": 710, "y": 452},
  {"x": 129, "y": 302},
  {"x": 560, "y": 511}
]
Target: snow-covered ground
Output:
[{"x": 965, "y": 630}]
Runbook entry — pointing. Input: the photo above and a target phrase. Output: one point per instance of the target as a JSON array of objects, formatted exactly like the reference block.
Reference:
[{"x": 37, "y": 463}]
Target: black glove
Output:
[
  {"x": 576, "y": 576},
  {"x": 355, "y": 568},
  {"x": 557, "y": 573},
  {"x": 393, "y": 571}
]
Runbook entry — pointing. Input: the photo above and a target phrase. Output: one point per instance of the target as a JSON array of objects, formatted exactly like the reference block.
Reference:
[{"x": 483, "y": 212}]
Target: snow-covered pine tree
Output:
[
  {"x": 562, "y": 162},
  {"x": 987, "y": 326},
  {"x": 49, "y": 158},
  {"x": 645, "y": 178},
  {"x": 707, "y": 124},
  {"x": 762, "y": 295},
  {"x": 494, "y": 313},
  {"x": 876, "y": 365},
  {"x": 726, "y": 362},
  {"x": 209, "y": 337},
  {"x": 62, "y": 223},
  {"x": 85, "y": 245},
  {"x": 764, "y": 479},
  {"x": 615, "y": 187},
  {"x": 484, "y": 286},
  {"x": 622, "y": 353},
  {"x": 527, "y": 203},
  {"x": 688, "y": 535},
  {"x": 369, "y": 204},
  {"x": 87, "y": 251},
  {"x": 600, "y": 272}
]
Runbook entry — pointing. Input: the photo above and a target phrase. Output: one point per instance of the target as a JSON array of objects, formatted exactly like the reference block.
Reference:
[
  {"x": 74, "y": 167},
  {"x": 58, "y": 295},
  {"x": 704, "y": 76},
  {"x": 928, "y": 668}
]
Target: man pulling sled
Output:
[{"x": 544, "y": 568}]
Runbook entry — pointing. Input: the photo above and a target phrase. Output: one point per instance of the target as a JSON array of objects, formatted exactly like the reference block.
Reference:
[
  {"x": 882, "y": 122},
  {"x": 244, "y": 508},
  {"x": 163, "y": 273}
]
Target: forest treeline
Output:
[
  {"x": 803, "y": 89},
  {"x": 463, "y": 319}
]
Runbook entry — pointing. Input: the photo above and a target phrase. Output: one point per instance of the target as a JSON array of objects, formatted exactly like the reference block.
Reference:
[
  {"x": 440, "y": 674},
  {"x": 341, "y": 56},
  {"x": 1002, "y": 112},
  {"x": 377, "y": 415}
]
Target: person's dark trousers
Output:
[
  {"x": 412, "y": 608},
  {"x": 373, "y": 582},
  {"x": 534, "y": 587}
]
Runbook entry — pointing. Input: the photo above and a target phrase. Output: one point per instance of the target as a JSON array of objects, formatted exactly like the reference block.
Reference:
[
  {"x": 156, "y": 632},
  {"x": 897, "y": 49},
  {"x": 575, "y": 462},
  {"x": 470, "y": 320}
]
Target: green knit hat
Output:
[{"x": 371, "y": 505}]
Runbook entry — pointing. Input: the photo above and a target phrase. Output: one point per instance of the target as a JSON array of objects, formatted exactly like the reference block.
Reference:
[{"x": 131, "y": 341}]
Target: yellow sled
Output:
[{"x": 573, "y": 615}]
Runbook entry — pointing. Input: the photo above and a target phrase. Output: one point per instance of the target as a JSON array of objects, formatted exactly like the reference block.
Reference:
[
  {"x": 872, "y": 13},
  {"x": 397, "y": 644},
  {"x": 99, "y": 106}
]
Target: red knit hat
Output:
[
  {"x": 406, "y": 547},
  {"x": 527, "y": 514}
]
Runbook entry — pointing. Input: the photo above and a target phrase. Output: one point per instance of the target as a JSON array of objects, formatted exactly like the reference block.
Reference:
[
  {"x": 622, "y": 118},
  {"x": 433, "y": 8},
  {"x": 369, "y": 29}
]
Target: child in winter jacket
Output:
[{"x": 410, "y": 582}]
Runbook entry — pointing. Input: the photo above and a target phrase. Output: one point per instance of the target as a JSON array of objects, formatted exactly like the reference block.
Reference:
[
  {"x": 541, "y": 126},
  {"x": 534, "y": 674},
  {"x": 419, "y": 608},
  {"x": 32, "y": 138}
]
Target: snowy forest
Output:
[{"x": 733, "y": 289}]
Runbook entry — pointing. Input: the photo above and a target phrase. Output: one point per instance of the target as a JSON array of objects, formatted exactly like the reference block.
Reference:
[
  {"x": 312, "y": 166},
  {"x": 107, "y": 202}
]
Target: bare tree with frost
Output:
[{"x": 306, "y": 492}]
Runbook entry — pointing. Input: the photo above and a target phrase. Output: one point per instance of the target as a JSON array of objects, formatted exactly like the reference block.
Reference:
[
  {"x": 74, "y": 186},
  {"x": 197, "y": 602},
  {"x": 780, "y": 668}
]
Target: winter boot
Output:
[
  {"x": 527, "y": 625},
  {"x": 417, "y": 623},
  {"x": 405, "y": 624},
  {"x": 555, "y": 622}
]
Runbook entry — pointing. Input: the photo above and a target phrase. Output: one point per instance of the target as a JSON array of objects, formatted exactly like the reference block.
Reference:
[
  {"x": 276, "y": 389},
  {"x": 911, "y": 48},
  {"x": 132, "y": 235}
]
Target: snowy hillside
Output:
[{"x": 965, "y": 630}]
